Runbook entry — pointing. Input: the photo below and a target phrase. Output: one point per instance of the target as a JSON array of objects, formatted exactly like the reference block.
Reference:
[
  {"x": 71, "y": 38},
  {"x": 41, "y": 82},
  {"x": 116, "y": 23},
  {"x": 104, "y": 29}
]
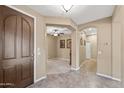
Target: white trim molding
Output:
[
  {"x": 103, "y": 75},
  {"x": 117, "y": 79},
  {"x": 44, "y": 77},
  {"x": 107, "y": 76},
  {"x": 21, "y": 11},
  {"x": 75, "y": 68}
]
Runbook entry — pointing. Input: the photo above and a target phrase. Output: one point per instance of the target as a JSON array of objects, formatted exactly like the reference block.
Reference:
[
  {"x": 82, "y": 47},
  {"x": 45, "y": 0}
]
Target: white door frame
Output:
[{"x": 23, "y": 12}]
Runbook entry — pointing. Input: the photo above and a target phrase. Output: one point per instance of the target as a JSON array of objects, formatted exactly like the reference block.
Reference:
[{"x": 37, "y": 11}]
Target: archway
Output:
[
  {"x": 88, "y": 46},
  {"x": 58, "y": 49}
]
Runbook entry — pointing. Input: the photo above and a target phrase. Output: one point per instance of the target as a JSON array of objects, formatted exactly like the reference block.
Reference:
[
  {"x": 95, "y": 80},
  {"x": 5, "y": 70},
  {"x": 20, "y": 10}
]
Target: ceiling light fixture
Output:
[
  {"x": 55, "y": 34},
  {"x": 67, "y": 8}
]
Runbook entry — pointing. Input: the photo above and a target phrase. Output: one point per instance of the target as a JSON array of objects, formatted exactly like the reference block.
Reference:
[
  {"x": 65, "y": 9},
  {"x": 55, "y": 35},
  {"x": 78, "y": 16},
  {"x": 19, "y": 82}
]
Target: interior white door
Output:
[{"x": 88, "y": 50}]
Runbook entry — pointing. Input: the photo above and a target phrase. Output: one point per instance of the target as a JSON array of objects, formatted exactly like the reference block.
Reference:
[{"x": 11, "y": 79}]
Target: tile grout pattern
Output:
[{"x": 84, "y": 78}]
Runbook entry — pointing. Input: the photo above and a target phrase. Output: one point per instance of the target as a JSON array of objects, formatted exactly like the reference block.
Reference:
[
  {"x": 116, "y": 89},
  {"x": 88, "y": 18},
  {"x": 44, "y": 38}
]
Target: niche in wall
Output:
[
  {"x": 62, "y": 43},
  {"x": 68, "y": 43}
]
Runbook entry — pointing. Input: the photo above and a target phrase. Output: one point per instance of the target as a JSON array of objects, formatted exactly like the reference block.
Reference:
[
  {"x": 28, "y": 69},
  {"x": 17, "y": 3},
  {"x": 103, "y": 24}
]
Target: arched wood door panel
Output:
[
  {"x": 1, "y": 77},
  {"x": 26, "y": 66},
  {"x": 10, "y": 76},
  {"x": 26, "y": 30},
  {"x": 1, "y": 71},
  {"x": 16, "y": 61},
  {"x": 9, "y": 43},
  {"x": 0, "y": 34},
  {"x": 9, "y": 50}
]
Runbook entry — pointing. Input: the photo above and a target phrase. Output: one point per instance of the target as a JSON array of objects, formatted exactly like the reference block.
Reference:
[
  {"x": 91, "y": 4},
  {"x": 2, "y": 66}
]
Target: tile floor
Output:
[
  {"x": 55, "y": 66},
  {"x": 84, "y": 78}
]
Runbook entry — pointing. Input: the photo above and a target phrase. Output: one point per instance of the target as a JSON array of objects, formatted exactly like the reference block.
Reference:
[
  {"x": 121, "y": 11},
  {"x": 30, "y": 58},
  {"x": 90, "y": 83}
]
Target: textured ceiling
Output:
[{"x": 80, "y": 14}]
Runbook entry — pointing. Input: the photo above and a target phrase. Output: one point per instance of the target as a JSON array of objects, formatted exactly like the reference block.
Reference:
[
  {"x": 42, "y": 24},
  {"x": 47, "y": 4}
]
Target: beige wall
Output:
[
  {"x": 40, "y": 40},
  {"x": 117, "y": 42},
  {"x": 116, "y": 50},
  {"x": 82, "y": 53},
  {"x": 93, "y": 40},
  {"x": 52, "y": 46},
  {"x": 63, "y": 52},
  {"x": 104, "y": 44},
  {"x": 54, "y": 50}
]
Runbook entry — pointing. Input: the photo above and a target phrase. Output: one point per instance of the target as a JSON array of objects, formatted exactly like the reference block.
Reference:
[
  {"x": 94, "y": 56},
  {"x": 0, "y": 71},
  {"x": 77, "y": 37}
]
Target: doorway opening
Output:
[
  {"x": 88, "y": 47},
  {"x": 58, "y": 49}
]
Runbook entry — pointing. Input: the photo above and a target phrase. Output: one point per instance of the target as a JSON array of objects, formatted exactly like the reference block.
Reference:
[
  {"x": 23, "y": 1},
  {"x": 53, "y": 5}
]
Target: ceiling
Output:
[
  {"x": 64, "y": 30},
  {"x": 80, "y": 14}
]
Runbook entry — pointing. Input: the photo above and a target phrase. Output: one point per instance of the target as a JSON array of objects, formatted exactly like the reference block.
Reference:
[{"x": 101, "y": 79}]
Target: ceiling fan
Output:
[{"x": 57, "y": 33}]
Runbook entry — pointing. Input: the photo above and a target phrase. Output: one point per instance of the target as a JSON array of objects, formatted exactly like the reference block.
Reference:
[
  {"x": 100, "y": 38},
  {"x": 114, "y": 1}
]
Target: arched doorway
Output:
[{"x": 88, "y": 46}]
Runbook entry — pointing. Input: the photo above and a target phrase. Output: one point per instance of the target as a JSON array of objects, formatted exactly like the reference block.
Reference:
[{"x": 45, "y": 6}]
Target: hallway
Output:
[
  {"x": 84, "y": 78},
  {"x": 30, "y": 35},
  {"x": 57, "y": 66}
]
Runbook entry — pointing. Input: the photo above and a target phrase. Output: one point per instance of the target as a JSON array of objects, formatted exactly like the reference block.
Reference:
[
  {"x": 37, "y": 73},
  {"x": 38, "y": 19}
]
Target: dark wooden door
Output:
[
  {"x": 70, "y": 52},
  {"x": 1, "y": 71},
  {"x": 16, "y": 48}
]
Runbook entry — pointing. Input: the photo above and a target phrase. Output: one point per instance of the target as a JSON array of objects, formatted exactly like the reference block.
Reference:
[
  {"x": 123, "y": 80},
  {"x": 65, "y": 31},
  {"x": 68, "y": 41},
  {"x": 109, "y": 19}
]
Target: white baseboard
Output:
[
  {"x": 103, "y": 75},
  {"x": 73, "y": 68},
  {"x": 117, "y": 79},
  {"x": 107, "y": 76},
  {"x": 40, "y": 79}
]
